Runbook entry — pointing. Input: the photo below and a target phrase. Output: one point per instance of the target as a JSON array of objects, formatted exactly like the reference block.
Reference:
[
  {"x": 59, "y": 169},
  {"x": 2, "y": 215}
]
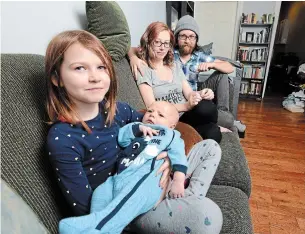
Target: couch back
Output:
[{"x": 25, "y": 165}]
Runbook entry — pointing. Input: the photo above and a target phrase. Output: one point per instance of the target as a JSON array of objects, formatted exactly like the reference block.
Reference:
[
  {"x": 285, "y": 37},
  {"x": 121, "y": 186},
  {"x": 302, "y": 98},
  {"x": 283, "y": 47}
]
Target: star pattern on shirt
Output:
[{"x": 78, "y": 134}]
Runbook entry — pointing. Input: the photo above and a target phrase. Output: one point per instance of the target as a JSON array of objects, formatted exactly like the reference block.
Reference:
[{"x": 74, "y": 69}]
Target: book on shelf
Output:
[
  {"x": 252, "y": 53},
  {"x": 252, "y": 18},
  {"x": 253, "y": 72},
  {"x": 249, "y": 18},
  {"x": 261, "y": 37},
  {"x": 250, "y": 88}
]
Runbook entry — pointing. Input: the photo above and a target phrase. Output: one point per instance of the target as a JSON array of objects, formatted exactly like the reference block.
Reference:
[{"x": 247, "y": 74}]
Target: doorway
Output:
[{"x": 288, "y": 51}]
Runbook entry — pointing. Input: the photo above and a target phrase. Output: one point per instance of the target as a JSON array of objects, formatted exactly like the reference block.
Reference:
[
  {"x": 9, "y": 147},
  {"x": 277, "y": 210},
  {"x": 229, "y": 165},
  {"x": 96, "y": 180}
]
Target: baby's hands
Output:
[
  {"x": 148, "y": 131},
  {"x": 177, "y": 190}
]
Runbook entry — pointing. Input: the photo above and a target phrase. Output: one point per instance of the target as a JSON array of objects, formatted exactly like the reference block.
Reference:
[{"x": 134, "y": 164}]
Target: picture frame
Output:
[
  {"x": 249, "y": 36},
  {"x": 174, "y": 18}
]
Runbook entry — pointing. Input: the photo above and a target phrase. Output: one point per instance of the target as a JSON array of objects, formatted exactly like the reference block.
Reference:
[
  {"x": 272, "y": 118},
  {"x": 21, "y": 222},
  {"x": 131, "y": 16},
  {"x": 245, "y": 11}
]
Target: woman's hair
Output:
[
  {"x": 59, "y": 104},
  {"x": 146, "y": 52}
]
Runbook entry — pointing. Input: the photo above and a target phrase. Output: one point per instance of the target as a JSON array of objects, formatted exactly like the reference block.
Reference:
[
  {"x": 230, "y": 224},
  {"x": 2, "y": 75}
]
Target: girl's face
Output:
[
  {"x": 84, "y": 76},
  {"x": 161, "y": 45}
]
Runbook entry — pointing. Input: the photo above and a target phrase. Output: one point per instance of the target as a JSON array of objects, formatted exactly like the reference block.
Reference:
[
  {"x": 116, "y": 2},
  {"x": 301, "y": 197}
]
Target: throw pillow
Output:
[
  {"x": 108, "y": 23},
  {"x": 207, "y": 49},
  {"x": 189, "y": 135},
  {"x": 16, "y": 215}
]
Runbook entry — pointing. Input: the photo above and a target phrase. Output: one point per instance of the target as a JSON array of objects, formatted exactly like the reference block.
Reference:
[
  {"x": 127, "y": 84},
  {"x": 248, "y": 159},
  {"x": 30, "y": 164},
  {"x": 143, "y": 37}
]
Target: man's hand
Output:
[
  {"x": 136, "y": 65},
  {"x": 194, "y": 99},
  {"x": 205, "y": 66},
  {"x": 148, "y": 131},
  {"x": 207, "y": 94}
]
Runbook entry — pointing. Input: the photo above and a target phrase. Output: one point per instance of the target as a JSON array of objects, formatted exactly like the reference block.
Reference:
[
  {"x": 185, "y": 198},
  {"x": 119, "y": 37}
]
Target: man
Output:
[{"x": 192, "y": 61}]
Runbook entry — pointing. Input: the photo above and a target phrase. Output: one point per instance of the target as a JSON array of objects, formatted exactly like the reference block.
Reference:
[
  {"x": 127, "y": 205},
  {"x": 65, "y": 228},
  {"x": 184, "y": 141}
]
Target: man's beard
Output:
[{"x": 186, "y": 49}]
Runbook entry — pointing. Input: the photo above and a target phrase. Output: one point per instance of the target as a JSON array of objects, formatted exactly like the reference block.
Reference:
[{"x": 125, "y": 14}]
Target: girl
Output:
[
  {"x": 82, "y": 144},
  {"x": 164, "y": 80}
]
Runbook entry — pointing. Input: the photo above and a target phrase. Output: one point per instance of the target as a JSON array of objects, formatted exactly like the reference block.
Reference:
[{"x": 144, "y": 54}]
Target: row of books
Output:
[
  {"x": 251, "y": 37},
  {"x": 252, "y": 53},
  {"x": 256, "y": 72},
  {"x": 251, "y": 88},
  {"x": 249, "y": 18},
  {"x": 252, "y": 18}
]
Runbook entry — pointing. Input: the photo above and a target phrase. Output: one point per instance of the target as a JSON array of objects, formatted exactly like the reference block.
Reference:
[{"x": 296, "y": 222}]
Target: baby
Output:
[{"x": 135, "y": 189}]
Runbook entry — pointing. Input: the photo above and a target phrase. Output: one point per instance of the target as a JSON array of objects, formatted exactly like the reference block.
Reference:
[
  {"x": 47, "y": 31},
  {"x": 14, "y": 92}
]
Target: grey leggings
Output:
[
  {"x": 194, "y": 213},
  {"x": 219, "y": 83}
]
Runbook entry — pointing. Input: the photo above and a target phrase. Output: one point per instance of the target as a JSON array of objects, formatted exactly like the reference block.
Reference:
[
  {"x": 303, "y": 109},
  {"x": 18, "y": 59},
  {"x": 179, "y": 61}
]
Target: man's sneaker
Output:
[{"x": 241, "y": 128}]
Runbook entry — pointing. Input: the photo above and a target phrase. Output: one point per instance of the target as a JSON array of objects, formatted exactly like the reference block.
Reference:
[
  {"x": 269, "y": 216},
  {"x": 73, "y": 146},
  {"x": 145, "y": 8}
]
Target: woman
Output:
[
  {"x": 163, "y": 79},
  {"x": 83, "y": 149}
]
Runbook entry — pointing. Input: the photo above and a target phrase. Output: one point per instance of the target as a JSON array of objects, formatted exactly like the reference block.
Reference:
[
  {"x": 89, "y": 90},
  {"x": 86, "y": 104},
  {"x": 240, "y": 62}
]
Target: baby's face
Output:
[{"x": 161, "y": 113}]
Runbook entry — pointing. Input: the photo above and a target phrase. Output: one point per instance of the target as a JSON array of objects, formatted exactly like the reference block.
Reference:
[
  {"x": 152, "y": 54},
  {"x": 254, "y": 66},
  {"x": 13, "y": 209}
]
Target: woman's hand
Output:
[
  {"x": 207, "y": 94},
  {"x": 136, "y": 65},
  {"x": 165, "y": 169},
  {"x": 194, "y": 99}
]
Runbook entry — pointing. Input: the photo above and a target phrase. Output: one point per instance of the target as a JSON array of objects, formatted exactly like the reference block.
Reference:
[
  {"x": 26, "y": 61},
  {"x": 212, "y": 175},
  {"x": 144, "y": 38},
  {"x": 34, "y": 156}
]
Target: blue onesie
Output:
[{"x": 135, "y": 189}]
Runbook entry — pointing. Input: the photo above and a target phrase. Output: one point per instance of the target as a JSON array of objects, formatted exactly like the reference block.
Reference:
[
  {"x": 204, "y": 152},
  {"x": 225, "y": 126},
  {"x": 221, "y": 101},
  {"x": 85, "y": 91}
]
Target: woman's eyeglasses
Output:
[
  {"x": 184, "y": 37},
  {"x": 160, "y": 43}
]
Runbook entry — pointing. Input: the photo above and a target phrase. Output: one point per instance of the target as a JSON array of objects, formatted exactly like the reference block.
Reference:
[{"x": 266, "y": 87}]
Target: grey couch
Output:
[{"x": 25, "y": 166}]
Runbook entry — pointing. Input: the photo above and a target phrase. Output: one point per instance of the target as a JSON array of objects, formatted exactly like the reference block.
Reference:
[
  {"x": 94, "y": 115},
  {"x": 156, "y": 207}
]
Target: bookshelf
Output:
[{"x": 253, "y": 52}]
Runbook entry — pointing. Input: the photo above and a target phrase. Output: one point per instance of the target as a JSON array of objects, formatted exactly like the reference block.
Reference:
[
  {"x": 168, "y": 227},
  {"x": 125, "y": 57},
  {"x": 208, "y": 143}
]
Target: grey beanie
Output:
[{"x": 187, "y": 22}]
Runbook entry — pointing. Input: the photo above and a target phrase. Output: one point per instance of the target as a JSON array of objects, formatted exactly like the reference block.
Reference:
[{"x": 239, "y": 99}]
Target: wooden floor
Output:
[{"x": 275, "y": 149}]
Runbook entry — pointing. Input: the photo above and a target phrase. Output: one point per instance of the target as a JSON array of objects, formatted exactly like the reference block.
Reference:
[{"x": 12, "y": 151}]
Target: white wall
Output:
[
  {"x": 27, "y": 27},
  {"x": 140, "y": 14},
  {"x": 217, "y": 24}
]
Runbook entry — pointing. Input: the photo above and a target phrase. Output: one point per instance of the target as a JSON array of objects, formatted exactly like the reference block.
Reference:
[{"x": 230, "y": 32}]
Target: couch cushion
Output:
[
  {"x": 107, "y": 21},
  {"x": 24, "y": 164},
  {"x": 207, "y": 49},
  {"x": 16, "y": 215},
  {"x": 234, "y": 205},
  {"x": 127, "y": 88},
  {"x": 233, "y": 168}
]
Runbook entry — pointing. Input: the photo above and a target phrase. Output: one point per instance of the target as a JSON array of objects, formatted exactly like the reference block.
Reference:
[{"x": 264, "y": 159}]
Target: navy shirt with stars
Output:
[{"x": 83, "y": 161}]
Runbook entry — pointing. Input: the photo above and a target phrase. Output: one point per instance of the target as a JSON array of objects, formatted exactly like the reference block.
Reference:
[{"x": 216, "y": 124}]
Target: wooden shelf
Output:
[
  {"x": 251, "y": 96},
  {"x": 253, "y": 61},
  {"x": 258, "y": 79},
  {"x": 257, "y": 48},
  {"x": 254, "y": 44},
  {"x": 256, "y": 25}
]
